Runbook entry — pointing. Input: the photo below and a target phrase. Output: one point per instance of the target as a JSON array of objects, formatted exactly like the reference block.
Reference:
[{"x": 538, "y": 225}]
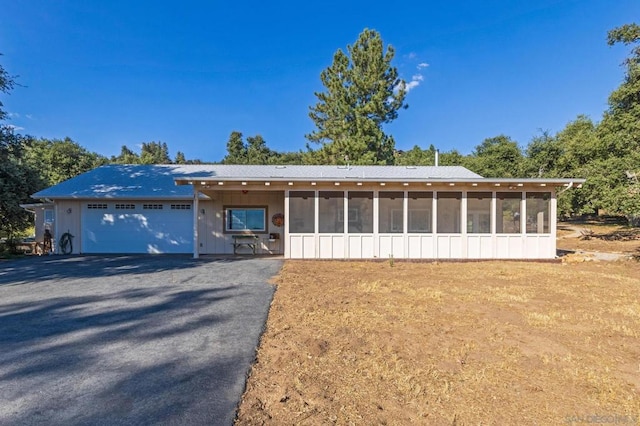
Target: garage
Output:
[{"x": 137, "y": 227}]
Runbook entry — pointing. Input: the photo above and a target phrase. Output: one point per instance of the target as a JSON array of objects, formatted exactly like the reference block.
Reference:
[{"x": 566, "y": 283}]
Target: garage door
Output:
[{"x": 134, "y": 227}]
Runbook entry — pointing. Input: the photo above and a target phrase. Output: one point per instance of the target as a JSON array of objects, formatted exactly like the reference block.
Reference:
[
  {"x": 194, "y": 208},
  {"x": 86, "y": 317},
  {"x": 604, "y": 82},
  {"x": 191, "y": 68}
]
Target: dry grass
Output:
[{"x": 448, "y": 343}]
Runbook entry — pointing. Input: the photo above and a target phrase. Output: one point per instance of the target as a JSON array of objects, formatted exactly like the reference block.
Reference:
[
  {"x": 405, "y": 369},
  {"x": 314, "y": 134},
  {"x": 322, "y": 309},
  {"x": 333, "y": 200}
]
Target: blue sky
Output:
[{"x": 188, "y": 73}]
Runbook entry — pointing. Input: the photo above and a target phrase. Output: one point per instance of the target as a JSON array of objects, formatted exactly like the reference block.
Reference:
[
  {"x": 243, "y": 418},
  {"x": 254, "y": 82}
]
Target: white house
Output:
[{"x": 312, "y": 212}]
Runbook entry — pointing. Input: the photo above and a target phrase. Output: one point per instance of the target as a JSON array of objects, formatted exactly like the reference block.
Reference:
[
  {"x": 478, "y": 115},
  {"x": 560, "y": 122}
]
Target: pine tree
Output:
[{"x": 363, "y": 92}]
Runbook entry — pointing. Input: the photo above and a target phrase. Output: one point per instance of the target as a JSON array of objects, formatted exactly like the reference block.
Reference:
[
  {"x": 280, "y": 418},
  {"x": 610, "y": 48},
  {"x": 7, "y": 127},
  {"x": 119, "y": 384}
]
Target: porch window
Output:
[
  {"x": 239, "y": 219},
  {"x": 331, "y": 212},
  {"x": 302, "y": 212},
  {"x": 49, "y": 216},
  {"x": 508, "y": 212},
  {"x": 420, "y": 206},
  {"x": 360, "y": 213},
  {"x": 390, "y": 217},
  {"x": 479, "y": 212},
  {"x": 449, "y": 205},
  {"x": 538, "y": 207}
]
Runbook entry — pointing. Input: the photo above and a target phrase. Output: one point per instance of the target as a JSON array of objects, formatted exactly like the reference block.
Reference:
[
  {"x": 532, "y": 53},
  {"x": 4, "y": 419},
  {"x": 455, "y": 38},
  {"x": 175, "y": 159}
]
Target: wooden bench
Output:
[{"x": 249, "y": 241}]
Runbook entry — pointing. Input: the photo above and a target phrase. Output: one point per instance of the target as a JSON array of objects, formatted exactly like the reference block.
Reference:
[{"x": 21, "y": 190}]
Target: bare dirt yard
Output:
[
  {"x": 449, "y": 344},
  {"x": 599, "y": 237}
]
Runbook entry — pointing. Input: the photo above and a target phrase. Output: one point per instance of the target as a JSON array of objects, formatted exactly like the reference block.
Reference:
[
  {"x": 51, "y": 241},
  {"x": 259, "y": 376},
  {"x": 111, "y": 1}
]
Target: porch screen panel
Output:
[
  {"x": 331, "y": 212},
  {"x": 479, "y": 212},
  {"x": 508, "y": 212},
  {"x": 538, "y": 208},
  {"x": 360, "y": 213},
  {"x": 390, "y": 215},
  {"x": 420, "y": 206},
  {"x": 302, "y": 212},
  {"x": 449, "y": 207}
]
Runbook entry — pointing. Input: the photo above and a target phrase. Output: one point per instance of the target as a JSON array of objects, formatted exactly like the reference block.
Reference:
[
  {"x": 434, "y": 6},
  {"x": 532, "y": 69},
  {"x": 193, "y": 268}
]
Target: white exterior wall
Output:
[
  {"x": 211, "y": 230},
  {"x": 212, "y": 238},
  {"x": 461, "y": 245},
  {"x": 67, "y": 219}
]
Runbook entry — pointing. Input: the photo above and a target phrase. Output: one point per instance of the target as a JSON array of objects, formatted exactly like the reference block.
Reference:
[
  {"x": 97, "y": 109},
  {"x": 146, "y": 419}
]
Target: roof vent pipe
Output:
[{"x": 437, "y": 157}]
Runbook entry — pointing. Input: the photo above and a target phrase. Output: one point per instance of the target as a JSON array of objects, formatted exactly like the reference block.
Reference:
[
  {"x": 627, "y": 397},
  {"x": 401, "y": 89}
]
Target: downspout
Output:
[{"x": 569, "y": 186}]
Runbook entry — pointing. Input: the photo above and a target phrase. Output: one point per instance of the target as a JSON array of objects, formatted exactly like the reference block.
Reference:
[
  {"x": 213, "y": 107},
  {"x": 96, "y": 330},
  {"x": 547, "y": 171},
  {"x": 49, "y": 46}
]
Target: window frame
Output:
[
  {"x": 323, "y": 221},
  {"x": 391, "y": 212},
  {"x": 49, "y": 216},
  {"x": 307, "y": 196},
  {"x": 546, "y": 196},
  {"x": 441, "y": 196},
  {"x": 499, "y": 214},
  {"x": 265, "y": 224},
  {"x": 412, "y": 210},
  {"x": 479, "y": 214}
]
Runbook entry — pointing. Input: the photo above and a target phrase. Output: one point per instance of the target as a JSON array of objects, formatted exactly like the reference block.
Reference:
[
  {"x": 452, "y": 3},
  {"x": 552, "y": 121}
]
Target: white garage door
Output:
[{"x": 136, "y": 227}]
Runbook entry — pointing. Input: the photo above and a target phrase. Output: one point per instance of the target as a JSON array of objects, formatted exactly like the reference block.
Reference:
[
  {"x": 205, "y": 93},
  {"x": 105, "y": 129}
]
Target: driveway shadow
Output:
[
  {"x": 30, "y": 268},
  {"x": 119, "y": 342}
]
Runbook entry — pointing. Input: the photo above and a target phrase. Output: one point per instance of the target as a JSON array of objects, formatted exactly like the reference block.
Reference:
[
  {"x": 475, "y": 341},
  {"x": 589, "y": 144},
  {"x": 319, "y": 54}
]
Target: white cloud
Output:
[
  {"x": 415, "y": 82},
  {"x": 411, "y": 85},
  {"x": 15, "y": 128},
  {"x": 29, "y": 116},
  {"x": 13, "y": 115},
  {"x": 417, "y": 78}
]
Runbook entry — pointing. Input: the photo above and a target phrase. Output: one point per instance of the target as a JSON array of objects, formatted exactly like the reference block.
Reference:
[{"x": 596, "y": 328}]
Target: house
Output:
[{"x": 311, "y": 212}]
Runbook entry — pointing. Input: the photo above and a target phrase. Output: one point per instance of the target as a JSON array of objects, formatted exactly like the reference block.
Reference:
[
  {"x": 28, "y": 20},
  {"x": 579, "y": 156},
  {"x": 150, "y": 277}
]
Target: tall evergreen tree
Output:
[
  {"x": 155, "y": 153},
  {"x": 362, "y": 93},
  {"x": 127, "y": 156},
  {"x": 180, "y": 158},
  {"x": 236, "y": 150},
  {"x": 257, "y": 150}
]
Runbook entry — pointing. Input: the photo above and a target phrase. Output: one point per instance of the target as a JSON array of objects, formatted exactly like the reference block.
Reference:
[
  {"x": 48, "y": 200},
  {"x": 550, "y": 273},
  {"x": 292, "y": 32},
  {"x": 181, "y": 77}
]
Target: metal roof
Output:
[
  {"x": 124, "y": 181},
  {"x": 252, "y": 172},
  {"x": 173, "y": 181}
]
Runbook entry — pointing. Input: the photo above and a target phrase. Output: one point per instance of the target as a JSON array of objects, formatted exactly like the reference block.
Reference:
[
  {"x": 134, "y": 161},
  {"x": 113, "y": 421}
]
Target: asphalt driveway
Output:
[{"x": 129, "y": 339}]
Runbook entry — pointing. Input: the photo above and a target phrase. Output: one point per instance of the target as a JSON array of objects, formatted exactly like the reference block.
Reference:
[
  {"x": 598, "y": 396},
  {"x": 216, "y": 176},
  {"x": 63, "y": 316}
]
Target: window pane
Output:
[
  {"x": 48, "y": 216},
  {"x": 301, "y": 211},
  {"x": 479, "y": 212},
  {"x": 360, "y": 212},
  {"x": 255, "y": 220},
  {"x": 237, "y": 219},
  {"x": 508, "y": 212},
  {"x": 390, "y": 218},
  {"x": 331, "y": 212},
  {"x": 538, "y": 207},
  {"x": 449, "y": 204},
  {"x": 420, "y": 205}
]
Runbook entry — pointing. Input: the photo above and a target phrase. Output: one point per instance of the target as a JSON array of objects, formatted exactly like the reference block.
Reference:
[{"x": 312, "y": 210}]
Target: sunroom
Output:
[{"x": 369, "y": 212}]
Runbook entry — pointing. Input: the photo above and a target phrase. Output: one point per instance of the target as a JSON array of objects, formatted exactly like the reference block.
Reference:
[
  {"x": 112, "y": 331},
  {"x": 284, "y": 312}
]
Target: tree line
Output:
[
  {"x": 363, "y": 92},
  {"x": 28, "y": 165}
]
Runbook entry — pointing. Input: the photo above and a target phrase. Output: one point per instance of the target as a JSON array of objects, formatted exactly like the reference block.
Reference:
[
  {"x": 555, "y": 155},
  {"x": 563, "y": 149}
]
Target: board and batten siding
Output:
[
  {"x": 212, "y": 238},
  {"x": 460, "y": 244},
  {"x": 67, "y": 219}
]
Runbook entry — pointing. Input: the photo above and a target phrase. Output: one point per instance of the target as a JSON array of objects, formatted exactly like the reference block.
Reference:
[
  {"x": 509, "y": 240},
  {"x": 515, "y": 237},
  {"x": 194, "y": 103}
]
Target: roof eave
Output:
[
  {"x": 121, "y": 197},
  {"x": 490, "y": 181}
]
